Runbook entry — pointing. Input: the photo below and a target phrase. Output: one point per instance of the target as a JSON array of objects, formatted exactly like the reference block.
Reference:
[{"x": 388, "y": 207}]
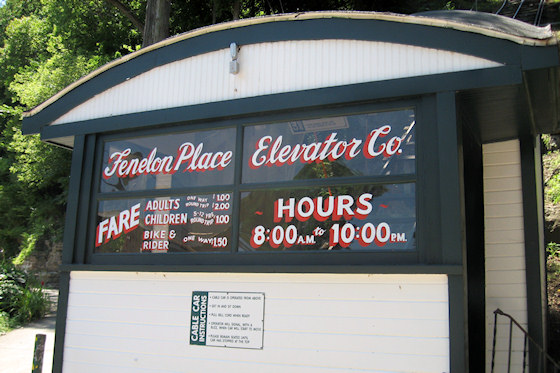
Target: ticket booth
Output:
[{"x": 316, "y": 192}]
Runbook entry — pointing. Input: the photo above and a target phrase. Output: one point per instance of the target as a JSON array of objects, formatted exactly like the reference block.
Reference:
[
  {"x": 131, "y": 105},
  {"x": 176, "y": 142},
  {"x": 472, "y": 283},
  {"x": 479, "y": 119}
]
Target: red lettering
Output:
[
  {"x": 113, "y": 227},
  {"x": 272, "y": 153},
  {"x": 388, "y": 148},
  {"x": 123, "y": 165},
  {"x": 256, "y": 161},
  {"x": 280, "y": 209},
  {"x": 321, "y": 213},
  {"x": 322, "y": 208},
  {"x": 363, "y": 206},
  {"x": 304, "y": 209}
]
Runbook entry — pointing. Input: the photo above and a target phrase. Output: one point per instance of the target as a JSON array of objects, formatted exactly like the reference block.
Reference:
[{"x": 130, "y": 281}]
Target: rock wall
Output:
[{"x": 44, "y": 263}]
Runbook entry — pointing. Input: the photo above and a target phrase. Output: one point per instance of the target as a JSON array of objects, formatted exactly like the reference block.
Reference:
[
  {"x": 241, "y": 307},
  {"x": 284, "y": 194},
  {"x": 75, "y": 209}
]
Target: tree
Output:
[
  {"x": 35, "y": 63},
  {"x": 47, "y": 44},
  {"x": 156, "y": 27}
]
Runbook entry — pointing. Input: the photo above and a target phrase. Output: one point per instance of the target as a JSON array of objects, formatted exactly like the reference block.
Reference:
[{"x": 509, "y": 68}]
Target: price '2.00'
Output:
[{"x": 220, "y": 206}]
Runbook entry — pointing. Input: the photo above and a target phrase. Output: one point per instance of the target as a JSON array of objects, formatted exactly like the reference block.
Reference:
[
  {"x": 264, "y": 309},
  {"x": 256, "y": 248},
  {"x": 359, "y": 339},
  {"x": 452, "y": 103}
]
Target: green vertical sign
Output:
[{"x": 199, "y": 315}]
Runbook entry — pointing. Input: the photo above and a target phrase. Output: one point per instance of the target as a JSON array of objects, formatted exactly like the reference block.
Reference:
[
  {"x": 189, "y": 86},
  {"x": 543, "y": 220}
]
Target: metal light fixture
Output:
[{"x": 233, "y": 64}]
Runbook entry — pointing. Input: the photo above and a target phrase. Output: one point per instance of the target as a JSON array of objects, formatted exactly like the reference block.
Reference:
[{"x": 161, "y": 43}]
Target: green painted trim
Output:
[
  {"x": 428, "y": 36},
  {"x": 474, "y": 248},
  {"x": 63, "y": 146},
  {"x": 234, "y": 258},
  {"x": 261, "y": 259},
  {"x": 296, "y": 184},
  {"x": 428, "y": 186},
  {"x": 439, "y": 108},
  {"x": 314, "y": 99},
  {"x": 270, "y": 109},
  {"x": 457, "y": 322},
  {"x": 450, "y": 177},
  {"x": 61, "y": 317},
  {"x": 86, "y": 189},
  {"x": 69, "y": 243},
  {"x": 311, "y": 29},
  {"x": 237, "y": 182},
  {"x": 540, "y": 60},
  {"x": 533, "y": 223},
  {"x": 382, "y": 269}
]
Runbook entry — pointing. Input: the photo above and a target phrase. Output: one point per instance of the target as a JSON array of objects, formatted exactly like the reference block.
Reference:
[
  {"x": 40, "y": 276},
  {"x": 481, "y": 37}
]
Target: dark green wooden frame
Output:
[
  {"x": 438, "y": 182},
  {"x": 515, "y": 58},
  {"x": 255, "y": 258}
]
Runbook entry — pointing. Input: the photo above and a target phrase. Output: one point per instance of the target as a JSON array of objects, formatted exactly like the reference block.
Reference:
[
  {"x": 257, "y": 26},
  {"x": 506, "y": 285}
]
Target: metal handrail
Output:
[
  {"x": 518, "y": 9},
  {"x": 540, "y": 11},
  {"x": 542, "y": 352},
  {"x": 538, "y": 14},
  {"x": 502, "y": 7}
]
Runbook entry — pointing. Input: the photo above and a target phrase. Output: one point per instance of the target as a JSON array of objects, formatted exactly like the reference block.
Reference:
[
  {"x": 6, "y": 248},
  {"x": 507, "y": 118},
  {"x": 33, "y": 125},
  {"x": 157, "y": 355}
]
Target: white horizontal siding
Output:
[
  {"x": 505, "y": 250},
  {"x": 139, "y": 322},
  {"x": 269, "y": 68}
]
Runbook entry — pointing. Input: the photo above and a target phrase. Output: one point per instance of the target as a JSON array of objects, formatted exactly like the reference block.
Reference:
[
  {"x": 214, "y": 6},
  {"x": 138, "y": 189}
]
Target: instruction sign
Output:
[{"x": 225, "y": 319}]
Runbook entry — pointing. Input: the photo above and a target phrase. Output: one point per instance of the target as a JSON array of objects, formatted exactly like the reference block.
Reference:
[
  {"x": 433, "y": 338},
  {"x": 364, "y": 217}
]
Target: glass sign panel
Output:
[
  {"x": 373, "y": 214},
  {"x": 169, "y": 161},
  {"x": 191, "y": 223},
  {"x": 376, "y": 144},
  {"x": 349, "y": 217}
]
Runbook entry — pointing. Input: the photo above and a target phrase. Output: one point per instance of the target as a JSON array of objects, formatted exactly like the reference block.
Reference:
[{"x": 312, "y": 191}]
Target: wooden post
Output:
[{"x": 38, "y": 353}]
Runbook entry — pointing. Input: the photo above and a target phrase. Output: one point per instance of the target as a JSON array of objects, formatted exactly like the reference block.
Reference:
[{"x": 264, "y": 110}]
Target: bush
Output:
[
  {"x": 6, "y": 323},
  {"x": 21, "y": 298},
  {"x": 553, "y": 250}
]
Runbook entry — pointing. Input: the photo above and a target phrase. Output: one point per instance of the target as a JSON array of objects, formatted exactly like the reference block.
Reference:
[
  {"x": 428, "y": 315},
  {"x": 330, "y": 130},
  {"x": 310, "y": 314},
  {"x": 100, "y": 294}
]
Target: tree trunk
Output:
[
  {"x": 236, "y": 9},
  {"x": 157, "y": 21},
  {"x": 214, "y": 10}
]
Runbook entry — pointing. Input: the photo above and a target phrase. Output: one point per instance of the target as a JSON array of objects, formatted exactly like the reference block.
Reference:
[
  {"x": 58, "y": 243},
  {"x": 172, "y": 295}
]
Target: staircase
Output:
[{"x": 541, "y": 363}]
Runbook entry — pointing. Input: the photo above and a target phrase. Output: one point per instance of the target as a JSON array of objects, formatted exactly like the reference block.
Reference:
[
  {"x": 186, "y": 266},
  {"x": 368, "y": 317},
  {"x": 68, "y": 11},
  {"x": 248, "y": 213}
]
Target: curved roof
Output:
[
  {"x": 478, "y": 22},
  {"x": 487, "y": 36}
]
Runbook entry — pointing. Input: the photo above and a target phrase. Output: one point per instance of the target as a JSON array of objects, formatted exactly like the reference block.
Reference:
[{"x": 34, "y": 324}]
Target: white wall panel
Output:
[
  {"x": 504, "y": 250},
  {"x": 139, "y": 322},
  {"x": 270, "y": 68}
]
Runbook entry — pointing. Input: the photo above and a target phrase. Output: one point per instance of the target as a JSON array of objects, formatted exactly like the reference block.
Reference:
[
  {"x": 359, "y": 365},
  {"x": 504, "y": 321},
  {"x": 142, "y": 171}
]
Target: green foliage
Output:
[
  {"x": 12, "y": 283},
  {"x": 546, "y": 140},
  {"x": 33, "y": 184},
  {"x": 36, "y": 62},
  {"x": 16, "y": 9},
  {"x": 553, "y": 250},
  {"x": 32, "y": 305},
  {"x": 34, "y": 84},
  {"x": 36, "y": 163},
  {"x": 21, "y": 300},
  {"x": 551, "y": 167},
  {"x": 553, "y": 261},
  {"x": 29, "y": 244},
  {"x": 24, "y": 45},
  {"x": 47, "y": 44},
  {"x": 6, "y": 324},
  {"x": 94, "y": 27},
  {"x": 552, "y": 188}
]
